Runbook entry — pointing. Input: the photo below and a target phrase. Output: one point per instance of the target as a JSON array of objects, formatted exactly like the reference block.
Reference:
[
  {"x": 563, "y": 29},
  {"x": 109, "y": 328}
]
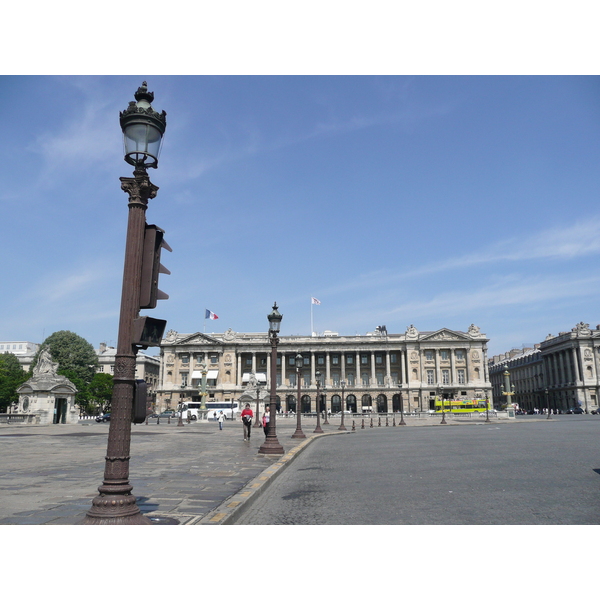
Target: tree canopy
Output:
[
  {"x": 12, "y": 375},
  {"x": 74, "y": 355}
]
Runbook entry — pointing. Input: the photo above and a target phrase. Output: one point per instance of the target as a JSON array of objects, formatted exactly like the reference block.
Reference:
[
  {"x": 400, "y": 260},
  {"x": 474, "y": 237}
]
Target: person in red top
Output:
[{"x": 247, "y": 415}]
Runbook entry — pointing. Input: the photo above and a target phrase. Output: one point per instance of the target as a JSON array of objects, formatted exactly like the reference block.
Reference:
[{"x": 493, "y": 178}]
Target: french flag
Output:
[{"x": 210, "y": 315}]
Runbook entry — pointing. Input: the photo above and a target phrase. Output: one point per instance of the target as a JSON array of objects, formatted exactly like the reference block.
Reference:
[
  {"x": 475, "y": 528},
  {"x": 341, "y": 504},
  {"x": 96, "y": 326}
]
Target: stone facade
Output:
[
  {"x": 567, "y": 365},
  {"x": 376, "y": 367}
]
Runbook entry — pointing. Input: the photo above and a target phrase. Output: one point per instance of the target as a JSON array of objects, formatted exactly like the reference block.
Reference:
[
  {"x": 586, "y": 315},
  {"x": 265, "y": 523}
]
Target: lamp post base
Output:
[
  {"x": 298, "y": 434},
  {"x": 271, "y": 446},
  {"x": 115, "y": 509}
]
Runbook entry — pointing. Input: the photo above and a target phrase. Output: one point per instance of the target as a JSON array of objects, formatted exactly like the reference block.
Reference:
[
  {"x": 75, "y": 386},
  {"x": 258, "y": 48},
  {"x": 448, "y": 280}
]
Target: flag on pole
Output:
[
  {"x": 210, "y": 315},
  {"x": 315, "y": 301}
]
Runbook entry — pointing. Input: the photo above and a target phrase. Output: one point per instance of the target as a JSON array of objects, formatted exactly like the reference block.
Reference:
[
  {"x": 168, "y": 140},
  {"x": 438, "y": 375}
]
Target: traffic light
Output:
[
  {"x": 140, "y": 402},
  {"x": 153, "y": 243}
]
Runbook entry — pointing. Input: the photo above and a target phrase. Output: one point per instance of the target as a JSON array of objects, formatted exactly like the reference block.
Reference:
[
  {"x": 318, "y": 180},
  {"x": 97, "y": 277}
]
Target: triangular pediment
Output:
[
  {"x": 443, "y": 335},
  {"x": 194, "y": 339}
]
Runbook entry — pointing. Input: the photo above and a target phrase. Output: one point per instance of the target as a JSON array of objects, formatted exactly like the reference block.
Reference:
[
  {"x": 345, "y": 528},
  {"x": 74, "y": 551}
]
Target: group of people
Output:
[{"x": 247, "y": 416}]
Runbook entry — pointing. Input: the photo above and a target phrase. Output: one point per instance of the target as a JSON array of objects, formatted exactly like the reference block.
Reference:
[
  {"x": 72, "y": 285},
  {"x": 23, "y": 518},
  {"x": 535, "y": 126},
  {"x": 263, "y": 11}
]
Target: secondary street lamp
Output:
[
  {"x": 547, "y": 403},
  {"x": 508, "y": 391},
  {"x": 401, "y": 408},
  {"x": 298, "y": 434},
  {"x": 318, "y": 406},
  {"x": 271, "y": 444},
  {"x": 143, "y": 129},
  {"x": 341, "y": 427}
]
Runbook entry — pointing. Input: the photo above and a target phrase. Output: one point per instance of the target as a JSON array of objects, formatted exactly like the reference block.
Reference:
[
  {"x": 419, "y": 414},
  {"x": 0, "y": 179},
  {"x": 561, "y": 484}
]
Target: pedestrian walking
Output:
[
  {"x": 265, "y": 420},
  {"x": 221, "y": 418},
  {"x": 247, "y": 415}
]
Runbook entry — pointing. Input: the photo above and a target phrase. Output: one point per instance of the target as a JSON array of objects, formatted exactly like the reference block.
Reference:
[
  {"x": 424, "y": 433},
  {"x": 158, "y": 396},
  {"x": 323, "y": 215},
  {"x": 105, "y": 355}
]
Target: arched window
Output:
[
  {"x": 366, "y": 400},
  {"x": 351, "y": 403},
  {"x": 291, "y": 403},
  {"x": 382, "y": 403},
  {"x": 336, "y": 403},
  {"x": 306, "y": 404}
]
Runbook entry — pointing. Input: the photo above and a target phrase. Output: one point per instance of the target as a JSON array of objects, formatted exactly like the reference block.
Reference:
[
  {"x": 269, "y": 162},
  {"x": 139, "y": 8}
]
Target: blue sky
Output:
[{"x": 438, "y": 201}]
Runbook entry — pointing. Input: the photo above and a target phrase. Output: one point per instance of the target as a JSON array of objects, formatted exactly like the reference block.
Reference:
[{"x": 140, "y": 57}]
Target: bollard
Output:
[
  {"x": 353, "y": 426},
  {"x": 394, "y": 421},
  {"x": 386, "y": 422},
  {"x": 158, "y": 420},
  {"x": 146, "y": 419},
  {"x": 169, "y": 420},
  {"x": 363, "y": 424},
  {"x": 379, "y": 423},
  {"x": 371, "y": 422}
]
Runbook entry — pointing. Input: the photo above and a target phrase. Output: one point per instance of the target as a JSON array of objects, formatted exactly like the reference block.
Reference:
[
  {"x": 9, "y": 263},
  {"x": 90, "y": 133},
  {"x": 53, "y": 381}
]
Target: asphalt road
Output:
[{"x": 526, "y": 472}]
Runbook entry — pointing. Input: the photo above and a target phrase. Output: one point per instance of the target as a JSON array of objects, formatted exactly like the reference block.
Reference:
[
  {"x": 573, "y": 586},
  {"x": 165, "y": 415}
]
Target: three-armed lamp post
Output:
[
  {"x": 299, "y": 434},
  {"x": 143, "y": 129},
  {"x": 402, "y": 422},
  {"x": 343, "y": 386},
  {"x": 318, "y": 427},
  {"x": 271, "y": 444}
]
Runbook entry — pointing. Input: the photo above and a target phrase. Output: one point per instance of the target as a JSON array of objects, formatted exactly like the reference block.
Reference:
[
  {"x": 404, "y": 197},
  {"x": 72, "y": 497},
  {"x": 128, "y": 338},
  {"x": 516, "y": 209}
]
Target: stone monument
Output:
[{"x": 47, "y": 397}]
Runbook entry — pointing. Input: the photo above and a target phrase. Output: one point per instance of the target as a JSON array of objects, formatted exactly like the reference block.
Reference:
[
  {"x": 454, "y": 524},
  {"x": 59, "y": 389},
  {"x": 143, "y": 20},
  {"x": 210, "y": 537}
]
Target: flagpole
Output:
[{"x": 312, "y": 329}]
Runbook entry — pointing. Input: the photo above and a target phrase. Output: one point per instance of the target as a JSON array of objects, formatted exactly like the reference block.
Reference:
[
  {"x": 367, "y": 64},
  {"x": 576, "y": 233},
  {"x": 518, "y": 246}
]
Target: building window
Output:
[
  {"x": 292, "y": 378},
  {"x": 379, "y": 378},
  {"x": 292, "y": 361},
  {"x": 350, "y": 379},
  {"x": 444, "y": 354},
  {"x": 335, "y": 359},
  {"x": 378, "y": 359},
  {"x": 430, "y": 377},
  {"x": 306, "y": 380},
  {"x": 184, "y": 379},
  {"x": 199, "y": 357},
  {"x": 445, "y": 376},
  {"x": 349, "y": 359},
  {"x": 428, "y": 354},
  {"x": 461, "y": 376},
  {"x": 263, "y": 362},
  {"x": 320, "y": 360},
  {"x": 394, "y": 358},
  {"x": 365, "y": 379},
  {"x": 248, "y": 361},
  {"x": 306, "y": 361},
  {"x": 185, "y": 359},
  {"x": 214, "y": 359},
  {"x": 460, "y": 355},
  {"x": 364, "y": 359},
  {"x": 336, "y": 379}
]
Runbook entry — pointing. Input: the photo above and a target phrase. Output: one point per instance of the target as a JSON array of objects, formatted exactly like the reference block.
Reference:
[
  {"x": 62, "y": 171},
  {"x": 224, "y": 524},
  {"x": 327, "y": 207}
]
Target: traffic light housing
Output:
[
  {"x": 140, "y": 402},
  {"x": 151, "y": 268}
]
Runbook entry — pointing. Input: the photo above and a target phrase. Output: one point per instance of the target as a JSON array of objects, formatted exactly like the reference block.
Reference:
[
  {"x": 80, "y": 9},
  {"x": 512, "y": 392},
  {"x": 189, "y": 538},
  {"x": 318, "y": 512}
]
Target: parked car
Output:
[
  {"x": 167, "y": 413},
  {"x": 103, "y": 418},
  {"x": 575, "y": 411}
]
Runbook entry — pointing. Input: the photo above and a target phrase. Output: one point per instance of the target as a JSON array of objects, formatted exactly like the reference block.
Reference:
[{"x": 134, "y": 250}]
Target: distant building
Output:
[
  {"x": 146, "y": 367},
  {"x": 567, "y": 365},
  {"x": 24, "y": 351},
  {"x": 376, "y": 368}
]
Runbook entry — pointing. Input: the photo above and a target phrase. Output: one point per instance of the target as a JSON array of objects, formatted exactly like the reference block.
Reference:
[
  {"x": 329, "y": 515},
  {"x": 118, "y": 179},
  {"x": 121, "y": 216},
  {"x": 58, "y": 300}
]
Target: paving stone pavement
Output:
[{"x": 195, "y": 474}]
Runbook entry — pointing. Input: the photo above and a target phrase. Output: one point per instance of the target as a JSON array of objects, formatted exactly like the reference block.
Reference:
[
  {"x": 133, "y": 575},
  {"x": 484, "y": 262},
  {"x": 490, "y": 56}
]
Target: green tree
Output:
[
  {"x": 73, "y": 354},
  {"x": 77, "y": 361},
  {"x": 100, "y": 392},
  {"x": 12, "y": 375}
]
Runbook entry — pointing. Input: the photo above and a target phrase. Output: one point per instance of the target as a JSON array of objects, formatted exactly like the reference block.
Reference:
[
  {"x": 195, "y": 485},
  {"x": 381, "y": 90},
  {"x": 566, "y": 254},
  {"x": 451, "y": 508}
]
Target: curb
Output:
[{"x": 234, "y": 507}]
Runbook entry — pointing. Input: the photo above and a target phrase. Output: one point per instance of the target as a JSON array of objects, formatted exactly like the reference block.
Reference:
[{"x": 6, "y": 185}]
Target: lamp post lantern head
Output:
[
  {"x": 274, "y": 320},
  {"x": 143, "y": 129}
]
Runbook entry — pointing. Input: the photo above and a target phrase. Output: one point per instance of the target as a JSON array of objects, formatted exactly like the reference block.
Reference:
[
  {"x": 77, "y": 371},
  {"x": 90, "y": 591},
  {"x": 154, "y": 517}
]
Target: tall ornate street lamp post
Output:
[
  {"x": 143, "y": 129},
  {"x": 271, "y": 444},
  {"x": 401, "y": 407},
  {"x": 343, "y": 386},
  {"x": 487, "y": 410},
  {"x": 325, "y": 420},
  {"x": 441, "y": 391},
  {"x": 299, "y": 434},
  {"x": 318, "y": 406},
  {"x": 547, "y": 403}
]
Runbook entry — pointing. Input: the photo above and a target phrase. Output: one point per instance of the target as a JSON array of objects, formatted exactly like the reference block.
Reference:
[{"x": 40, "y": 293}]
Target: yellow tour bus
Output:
[{"x": 460, "y": 406}]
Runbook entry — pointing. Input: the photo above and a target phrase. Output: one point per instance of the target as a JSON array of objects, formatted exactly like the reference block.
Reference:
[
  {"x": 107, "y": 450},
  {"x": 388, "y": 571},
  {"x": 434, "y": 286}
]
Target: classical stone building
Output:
[
  {"x": 566, "y": 365},
  {"x": 146, "y": 367},
  {"x": 376, "y": 368}
]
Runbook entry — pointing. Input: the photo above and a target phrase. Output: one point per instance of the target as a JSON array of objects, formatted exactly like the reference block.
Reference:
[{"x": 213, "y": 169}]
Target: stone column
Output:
[
  {"x": 388, "y": 368},
  {"x": 373, "y": 374},
  {"x": 327, "y": 369},
  {"x": 358, "y": 379},
  {"x": 238, "y": 377},
  {"x": 282, "y": 358}
]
